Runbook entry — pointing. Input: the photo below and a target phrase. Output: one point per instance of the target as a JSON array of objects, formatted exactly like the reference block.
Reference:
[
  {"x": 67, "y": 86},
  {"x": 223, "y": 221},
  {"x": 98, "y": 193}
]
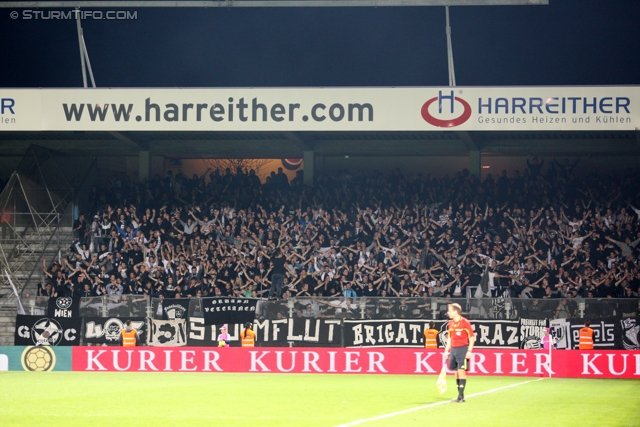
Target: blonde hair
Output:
[{"x": 456, "y": 307}]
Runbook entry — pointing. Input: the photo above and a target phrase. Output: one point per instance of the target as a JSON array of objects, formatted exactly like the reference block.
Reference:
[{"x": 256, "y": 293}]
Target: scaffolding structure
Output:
[{"x": 37, "y": 209}]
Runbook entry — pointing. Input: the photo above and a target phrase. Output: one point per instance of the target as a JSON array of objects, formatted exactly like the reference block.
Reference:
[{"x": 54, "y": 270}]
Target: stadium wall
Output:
[{"x": 495, "y": 362}]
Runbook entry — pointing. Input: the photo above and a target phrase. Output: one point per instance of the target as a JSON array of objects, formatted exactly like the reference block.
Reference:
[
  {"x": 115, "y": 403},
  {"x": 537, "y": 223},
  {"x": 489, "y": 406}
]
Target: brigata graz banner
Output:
[
  {"x": 410, "y": 333},
  {"x": 512, "y": 362},
  {"x": 534, "y": 108},
  {"x": 42, "y": 331},
  {"x": 106, "y": 330}
]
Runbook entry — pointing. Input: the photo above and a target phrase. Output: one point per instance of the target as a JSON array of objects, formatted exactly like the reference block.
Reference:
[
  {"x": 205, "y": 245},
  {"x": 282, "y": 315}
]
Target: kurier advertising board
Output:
[
  {"x": 539, "y": 108},
  {"x": 563, "y": 364}
]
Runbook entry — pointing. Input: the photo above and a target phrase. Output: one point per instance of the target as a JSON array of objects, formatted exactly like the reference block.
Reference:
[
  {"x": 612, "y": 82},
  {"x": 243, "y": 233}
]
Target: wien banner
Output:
[
  {"x": 536, "y": 108},
  {"x": 512, "y": 362},
  {"x": 106, "y": 330},
  {"x": 65, "y": 307},
  {"x": 410, "y": 333},
  {"x": 40, "y": 331}
]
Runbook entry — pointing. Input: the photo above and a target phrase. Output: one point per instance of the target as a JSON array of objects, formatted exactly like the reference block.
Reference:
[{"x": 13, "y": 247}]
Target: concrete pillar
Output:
[
  {"x": 475, "y": 163},
  {"x": 144, "y": 166},
  {"x": 307, "y": 157}
]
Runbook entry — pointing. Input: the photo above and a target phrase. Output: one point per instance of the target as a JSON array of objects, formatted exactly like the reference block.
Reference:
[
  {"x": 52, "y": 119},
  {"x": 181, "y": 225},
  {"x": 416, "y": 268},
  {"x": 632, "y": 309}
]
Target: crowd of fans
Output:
[{"x": 537, "y": 234}]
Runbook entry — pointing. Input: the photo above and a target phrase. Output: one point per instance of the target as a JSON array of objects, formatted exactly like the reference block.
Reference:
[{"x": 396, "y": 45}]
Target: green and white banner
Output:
[{"x": 35, "y": 358}]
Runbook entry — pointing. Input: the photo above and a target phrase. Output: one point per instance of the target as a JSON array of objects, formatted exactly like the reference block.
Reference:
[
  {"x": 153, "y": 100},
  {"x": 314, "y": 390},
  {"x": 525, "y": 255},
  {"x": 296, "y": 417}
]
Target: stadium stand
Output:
[{"x": 537, "y": 235}]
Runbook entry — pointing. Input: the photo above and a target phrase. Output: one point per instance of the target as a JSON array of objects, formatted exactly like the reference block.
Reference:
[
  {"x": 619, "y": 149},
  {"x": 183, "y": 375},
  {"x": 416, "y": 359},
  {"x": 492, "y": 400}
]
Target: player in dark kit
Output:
[{"x": 459, "y": 347}]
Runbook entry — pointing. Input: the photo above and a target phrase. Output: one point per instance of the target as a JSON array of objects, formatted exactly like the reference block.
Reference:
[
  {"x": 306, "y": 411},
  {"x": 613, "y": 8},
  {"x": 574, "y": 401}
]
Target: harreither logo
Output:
[{"x": 454, "y": 104}]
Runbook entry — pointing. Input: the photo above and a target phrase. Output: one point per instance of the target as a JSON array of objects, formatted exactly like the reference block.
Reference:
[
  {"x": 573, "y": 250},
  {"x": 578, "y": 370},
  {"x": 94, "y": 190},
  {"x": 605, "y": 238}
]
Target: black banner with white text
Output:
[
  {"x": 37, "y": 330},
  {"x": 106, "y": 330}
]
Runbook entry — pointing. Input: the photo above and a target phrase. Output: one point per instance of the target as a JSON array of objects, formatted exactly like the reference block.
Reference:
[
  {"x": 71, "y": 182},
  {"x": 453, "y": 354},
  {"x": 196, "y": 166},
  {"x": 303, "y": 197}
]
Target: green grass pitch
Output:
[{"x": 173, "y": 399}]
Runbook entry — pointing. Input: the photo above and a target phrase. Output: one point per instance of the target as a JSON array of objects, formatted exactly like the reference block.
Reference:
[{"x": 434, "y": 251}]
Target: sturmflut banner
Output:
[
  {"x": 271, "y": 333},
  {"x": 583, "y": 108}
]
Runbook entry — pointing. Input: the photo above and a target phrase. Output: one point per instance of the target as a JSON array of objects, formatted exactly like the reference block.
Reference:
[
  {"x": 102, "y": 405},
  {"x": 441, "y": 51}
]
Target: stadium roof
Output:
[
  {"x": 269, "y": 3},
  {"x": 292, "y": 144}
]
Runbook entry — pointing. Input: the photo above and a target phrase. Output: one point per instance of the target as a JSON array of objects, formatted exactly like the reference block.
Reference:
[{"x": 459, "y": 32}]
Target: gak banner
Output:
[{"x": 39, "y": 331}]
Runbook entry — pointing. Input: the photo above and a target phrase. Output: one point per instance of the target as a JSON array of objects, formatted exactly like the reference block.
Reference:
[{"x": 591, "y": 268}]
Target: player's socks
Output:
[{"x": 461, "y": 385}]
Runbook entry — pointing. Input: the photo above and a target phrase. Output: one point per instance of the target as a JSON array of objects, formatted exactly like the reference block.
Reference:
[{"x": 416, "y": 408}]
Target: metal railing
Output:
[{"x": 373, "y": 308}]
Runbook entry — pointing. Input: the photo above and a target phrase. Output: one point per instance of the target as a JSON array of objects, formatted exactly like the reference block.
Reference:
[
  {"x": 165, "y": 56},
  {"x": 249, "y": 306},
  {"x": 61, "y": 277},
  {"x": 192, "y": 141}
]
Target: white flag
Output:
[{"x": 15, "y": 291}]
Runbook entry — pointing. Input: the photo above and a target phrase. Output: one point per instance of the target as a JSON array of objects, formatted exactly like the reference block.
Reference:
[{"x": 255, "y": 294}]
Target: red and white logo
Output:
[{"x": 454, "y": 104}]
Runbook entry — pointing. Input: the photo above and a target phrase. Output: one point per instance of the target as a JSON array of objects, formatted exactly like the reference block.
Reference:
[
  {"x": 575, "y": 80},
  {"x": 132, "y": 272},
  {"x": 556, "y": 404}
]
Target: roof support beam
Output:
[
  {"x": 468, "y": 142},
  {"x": 264, "y": 3},
  {"x": 144, "y": 146},
  {"x": 293, "y": 137}
]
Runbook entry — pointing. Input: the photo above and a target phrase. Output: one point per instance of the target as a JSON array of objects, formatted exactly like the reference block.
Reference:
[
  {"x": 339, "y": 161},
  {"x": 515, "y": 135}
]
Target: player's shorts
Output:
[{"x": 457, "y": 358}]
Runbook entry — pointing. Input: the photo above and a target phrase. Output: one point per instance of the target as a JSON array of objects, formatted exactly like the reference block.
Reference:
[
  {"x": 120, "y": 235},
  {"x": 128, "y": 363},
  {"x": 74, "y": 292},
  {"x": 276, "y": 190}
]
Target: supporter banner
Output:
[
  {"x": 225, "y": 310},
  {"x": 168, "y": 333},
  {"x": 606, "y": 333},
  {"x": 43, "y": 331},
  {"x": 283, "y": 332},
  {"x": 535, "y": 108},
  {"x": 630, "y": 333},
  {"x": 533, "y": 363},
  {"x": 410, "y": 333},
  {"x": 64, "y": 307},
  {"x": 201, "y": 334},
  {"x": 35, "y": 358},
  {"x": 171, "y": 308},
  {"x": 560, "y": 328},
  {"x": 106, "y": 330},
  {"x": 298, "y": 332},
  {"x": 531, "y": 332}
]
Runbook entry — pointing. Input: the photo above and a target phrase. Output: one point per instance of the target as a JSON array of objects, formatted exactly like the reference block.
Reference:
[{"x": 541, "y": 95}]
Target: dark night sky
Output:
[{"x": 569, "y": 42}]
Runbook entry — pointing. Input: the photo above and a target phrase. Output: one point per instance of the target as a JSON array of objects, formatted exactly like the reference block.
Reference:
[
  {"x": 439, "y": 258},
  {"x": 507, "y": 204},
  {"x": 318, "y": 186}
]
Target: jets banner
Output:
[
  {"x": 168, "y": 333},
  {"x": 106, "y": 331},
  {"x": 41, "y": 331},
  {"x": 535, "y": 108},
  {"x": 410, "y": 333}
]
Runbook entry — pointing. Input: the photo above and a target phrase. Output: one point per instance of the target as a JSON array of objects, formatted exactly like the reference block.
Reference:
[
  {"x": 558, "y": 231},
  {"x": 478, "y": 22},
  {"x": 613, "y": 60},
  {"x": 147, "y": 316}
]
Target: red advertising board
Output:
[{"x": 563, "y": 364}]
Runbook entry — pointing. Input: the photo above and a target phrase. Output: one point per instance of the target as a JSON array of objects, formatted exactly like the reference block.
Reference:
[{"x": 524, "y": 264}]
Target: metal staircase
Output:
[{"x": 37, "y": 208}]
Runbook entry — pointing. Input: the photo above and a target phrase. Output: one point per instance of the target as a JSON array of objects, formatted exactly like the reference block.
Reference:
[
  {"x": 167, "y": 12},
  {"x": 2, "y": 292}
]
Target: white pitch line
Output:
[{"x": 431, "y": 405}]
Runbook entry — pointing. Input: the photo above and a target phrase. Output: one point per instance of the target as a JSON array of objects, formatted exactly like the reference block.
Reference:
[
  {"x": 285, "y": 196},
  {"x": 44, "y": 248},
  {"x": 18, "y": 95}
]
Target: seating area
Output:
[{"x": 540, "y": 233}]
